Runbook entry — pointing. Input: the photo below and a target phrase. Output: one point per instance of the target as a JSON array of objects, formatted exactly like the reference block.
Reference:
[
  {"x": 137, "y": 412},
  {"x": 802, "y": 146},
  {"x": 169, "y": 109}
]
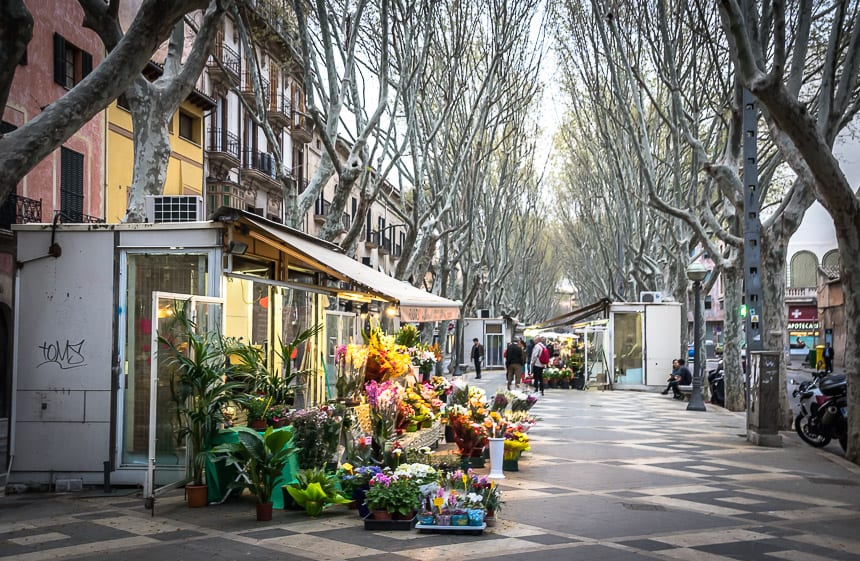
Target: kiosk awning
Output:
[
  {"x": 574, "y": 316},
  {"x": 415, "y": 304}
]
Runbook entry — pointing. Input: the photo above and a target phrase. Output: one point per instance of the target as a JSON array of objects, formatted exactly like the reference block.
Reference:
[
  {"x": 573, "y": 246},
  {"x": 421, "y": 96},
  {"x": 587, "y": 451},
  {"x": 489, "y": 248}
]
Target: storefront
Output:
[
  {"x": 89, "y": 394},
  {"x": 802, "y": 330}
]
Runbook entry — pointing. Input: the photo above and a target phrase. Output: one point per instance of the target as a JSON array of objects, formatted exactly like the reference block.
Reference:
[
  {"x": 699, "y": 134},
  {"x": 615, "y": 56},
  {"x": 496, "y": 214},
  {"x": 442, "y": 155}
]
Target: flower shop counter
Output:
[{"x": 219, "y": 476}]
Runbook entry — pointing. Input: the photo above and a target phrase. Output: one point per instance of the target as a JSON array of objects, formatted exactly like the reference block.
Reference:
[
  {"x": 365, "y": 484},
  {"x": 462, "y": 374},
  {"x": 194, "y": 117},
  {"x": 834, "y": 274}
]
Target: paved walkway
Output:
[{"x": 611, "y": 476}]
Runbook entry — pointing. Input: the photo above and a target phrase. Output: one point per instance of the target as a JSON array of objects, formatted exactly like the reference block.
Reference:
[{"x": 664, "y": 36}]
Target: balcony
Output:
[
  {"x": 345, "y": 222},
  {"x": 371, "y": 241},
  {"x": 321, "y": 210},
  {"x": 302, "y": 184},
  {"x": 385, "y": 246},
  {"x": 76, "y": 217},
  {"x": 248, "y": 92},
  {"x": 301, "y": 127},
  {"x": 259, "y": 169},
  {"x": 228, "y": 71},
  {"x": 279, "y": 112},
  {"x": 805, "y": 294},
  {"x": 223, "y": 193},
  {"x": 222, "y": 148},
  {"x": 19, "y": 210},
  {"x": 276, "y": 16}
]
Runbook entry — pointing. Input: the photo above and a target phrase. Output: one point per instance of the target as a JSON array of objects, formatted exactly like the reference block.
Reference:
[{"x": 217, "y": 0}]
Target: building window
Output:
[
  {"x": 365, "y": 261},
  {"x": 6, "y": 127},
  {"x": 71, "y": 184},
  {"x": 188, "y": 128},
  {"x": 831, "y": 261},
  {"x": 804, "y": 270},
  {"x": 71, "y": 64}
]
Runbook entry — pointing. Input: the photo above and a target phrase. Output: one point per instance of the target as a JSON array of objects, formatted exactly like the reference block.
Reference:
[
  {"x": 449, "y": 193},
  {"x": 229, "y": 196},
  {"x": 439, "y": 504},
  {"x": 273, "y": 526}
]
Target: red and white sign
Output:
[{"x": 802, "y": 313}]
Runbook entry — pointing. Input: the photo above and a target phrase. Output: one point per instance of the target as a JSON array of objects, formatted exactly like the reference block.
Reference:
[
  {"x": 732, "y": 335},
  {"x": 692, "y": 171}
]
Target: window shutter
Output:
[
  {"x": 71, "y": 183},
  {"x": 86, "y": 64},
  {"x": 59, "y": 59}
]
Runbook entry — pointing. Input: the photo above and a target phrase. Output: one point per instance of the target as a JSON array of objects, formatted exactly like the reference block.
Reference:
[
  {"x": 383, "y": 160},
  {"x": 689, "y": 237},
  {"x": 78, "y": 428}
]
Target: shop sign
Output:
[
  {"x": 802, "y": 313},
  {"x": 803, "y": 325}
]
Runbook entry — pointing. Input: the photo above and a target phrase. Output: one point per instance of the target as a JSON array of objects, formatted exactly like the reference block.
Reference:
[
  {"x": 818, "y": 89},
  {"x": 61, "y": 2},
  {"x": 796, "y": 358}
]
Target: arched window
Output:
[
  {"x": 832, "y": 261},
  {"x": 804, "y": 270}
]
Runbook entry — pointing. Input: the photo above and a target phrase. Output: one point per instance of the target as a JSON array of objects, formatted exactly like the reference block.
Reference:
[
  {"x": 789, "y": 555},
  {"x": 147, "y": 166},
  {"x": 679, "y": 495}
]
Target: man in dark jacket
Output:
[
  {"x": 477, "y": 357},
  {"x": 514, "y": 363}
]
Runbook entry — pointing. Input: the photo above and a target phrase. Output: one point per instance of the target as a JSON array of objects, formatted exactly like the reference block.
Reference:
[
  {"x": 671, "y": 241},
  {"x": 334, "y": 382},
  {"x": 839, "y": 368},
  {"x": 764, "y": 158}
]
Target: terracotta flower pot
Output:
[
  {"x": 197, "y": 495},
  {"x": 264, "y": 512},
  {"x": 381, "y": 515}
]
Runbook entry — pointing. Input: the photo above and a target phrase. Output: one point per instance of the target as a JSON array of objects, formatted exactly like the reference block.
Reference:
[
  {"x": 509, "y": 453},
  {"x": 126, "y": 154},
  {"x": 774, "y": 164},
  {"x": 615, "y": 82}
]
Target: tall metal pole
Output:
[
  {"x": 696, "y": 401},
  {"x": 752, "y": 236}
]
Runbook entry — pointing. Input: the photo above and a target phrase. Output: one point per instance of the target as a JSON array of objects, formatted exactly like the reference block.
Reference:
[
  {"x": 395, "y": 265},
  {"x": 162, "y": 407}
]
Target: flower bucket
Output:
[
  {"x": 476, "y": 516},
  {"x": 459, "y": 520},
  {"x": 511, "y": 465}
]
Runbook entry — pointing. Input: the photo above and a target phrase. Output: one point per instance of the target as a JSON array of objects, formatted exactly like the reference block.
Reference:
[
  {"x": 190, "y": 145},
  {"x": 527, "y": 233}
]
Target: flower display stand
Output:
[
  {"x": 435, "y": 528},
  {"x": 388, "y": 525},
  {"x": 423, "y": 438}
]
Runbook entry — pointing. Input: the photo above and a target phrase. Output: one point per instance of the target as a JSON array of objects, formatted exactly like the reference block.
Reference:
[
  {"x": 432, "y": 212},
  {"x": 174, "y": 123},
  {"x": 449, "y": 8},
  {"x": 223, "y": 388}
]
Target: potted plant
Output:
[
  {"x": 262, "y": 457},
  {"x": 314, "y": 490},
  {"x": 393, "y": 495},
  {"x": 256, "y": 409},
  {"x": 200, "y": 392}
]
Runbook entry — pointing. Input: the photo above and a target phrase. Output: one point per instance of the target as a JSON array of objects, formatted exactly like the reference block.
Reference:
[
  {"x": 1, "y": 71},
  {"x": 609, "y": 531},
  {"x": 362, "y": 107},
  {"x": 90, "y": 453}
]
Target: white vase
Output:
[{"x": 497, "y": 455}]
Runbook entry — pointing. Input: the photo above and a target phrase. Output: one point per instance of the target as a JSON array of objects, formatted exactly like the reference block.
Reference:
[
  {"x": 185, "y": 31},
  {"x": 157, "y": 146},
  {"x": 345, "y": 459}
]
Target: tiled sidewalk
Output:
[{"x": 611, "y": 475}]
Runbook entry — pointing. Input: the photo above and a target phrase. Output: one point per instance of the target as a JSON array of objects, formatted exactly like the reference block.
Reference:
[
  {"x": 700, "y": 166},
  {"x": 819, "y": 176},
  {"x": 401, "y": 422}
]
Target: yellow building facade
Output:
[{"x": 185, "y": 169}]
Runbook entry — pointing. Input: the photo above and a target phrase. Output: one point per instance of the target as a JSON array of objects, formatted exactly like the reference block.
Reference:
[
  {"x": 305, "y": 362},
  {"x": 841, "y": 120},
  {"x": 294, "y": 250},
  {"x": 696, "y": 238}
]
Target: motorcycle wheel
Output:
[{"x": 801, "y": 425}]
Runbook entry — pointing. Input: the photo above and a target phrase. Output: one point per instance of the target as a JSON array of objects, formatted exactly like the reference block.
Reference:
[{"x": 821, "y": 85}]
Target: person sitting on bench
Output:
[{"x": 681, "y": 376}]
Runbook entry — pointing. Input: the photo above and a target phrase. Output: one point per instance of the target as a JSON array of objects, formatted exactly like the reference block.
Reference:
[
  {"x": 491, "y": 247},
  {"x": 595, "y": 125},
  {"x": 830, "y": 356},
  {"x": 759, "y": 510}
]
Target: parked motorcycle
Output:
[
  {"x": 717, "y": 382},
  {"x": 823, "y": 410}
]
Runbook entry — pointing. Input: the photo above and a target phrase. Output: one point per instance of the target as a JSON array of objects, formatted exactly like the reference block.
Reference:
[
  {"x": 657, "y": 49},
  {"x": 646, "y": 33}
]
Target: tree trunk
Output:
[
  {"x": 151, "y": 149},
  {"x": 773, "y": 253},
  {"x": 732, "y": 330}
]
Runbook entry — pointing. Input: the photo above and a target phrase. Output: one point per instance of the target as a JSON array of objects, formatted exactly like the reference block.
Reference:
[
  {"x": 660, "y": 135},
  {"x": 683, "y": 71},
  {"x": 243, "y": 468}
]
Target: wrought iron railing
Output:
[
  {"x": 19, "y": 210},
  {"x": 221, "y": 140},
  {"x": 259, "y": 161},
  {"x": 76, "y": 217}
]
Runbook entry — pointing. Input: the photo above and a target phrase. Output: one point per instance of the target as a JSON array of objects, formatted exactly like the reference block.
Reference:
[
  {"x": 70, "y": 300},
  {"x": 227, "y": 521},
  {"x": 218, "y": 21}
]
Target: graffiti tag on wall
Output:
[{"x": 66, "y": 355}]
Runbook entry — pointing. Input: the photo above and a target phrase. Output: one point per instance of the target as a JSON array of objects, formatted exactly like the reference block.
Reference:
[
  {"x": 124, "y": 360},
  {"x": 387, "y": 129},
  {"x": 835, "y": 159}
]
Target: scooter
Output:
[
  {"x": 717, "y": 382},
  {"x": 823, "y": 410}
]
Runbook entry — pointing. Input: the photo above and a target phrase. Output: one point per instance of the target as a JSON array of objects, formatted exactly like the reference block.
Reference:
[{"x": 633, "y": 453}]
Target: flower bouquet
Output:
[
  {"x": 470, "y": 436},
  {"x": 350, "y": 361},
  {"x": 385, "y": 359},
  {"x": 384, "y": 399},
  {"x": 515, "y": 444}
]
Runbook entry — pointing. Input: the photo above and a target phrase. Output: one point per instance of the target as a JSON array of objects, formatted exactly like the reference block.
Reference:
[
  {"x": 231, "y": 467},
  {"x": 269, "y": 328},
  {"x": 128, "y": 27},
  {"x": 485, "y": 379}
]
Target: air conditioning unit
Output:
[
  {"x": 650, "y": 297},
  {"x": 174, "y": 208}
]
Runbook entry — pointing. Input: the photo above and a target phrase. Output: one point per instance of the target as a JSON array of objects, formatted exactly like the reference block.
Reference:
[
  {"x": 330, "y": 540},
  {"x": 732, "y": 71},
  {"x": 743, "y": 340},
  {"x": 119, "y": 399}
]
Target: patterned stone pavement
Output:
[{"x": 611, "y": 476}]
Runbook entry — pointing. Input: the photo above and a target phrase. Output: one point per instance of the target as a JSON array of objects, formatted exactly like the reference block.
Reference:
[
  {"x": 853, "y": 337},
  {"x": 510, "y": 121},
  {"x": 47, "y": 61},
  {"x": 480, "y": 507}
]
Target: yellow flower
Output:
[{"x": 347, "y": 468}]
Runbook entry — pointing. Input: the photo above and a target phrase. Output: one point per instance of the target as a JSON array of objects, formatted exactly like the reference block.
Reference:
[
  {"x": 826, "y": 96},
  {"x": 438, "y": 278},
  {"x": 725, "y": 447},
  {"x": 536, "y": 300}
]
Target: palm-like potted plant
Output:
[
  {"x": 200, "y": 390},
  {"x": 262, "y": 458}
]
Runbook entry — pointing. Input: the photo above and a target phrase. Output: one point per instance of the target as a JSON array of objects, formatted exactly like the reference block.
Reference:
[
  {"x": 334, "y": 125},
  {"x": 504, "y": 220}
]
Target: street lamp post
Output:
[{"x": 697, "y": 272}]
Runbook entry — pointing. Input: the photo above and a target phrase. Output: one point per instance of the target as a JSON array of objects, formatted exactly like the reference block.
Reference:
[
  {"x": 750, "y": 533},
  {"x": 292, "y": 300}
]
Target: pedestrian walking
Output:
[
  {"x": 477, "y": 356},
  {"x": 514, "y": 363},
  {"x": 540, "y": 358},
  {"x": 827, "y": 355}
]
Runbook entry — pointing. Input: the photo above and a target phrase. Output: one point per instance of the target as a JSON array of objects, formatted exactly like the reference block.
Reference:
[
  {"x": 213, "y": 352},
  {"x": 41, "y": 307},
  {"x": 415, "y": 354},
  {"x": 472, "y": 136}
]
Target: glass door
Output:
[
  {"x": 495, "y": 345},
  {"x": 168, "y": 458},
  {"x": 629, "y": 357}
]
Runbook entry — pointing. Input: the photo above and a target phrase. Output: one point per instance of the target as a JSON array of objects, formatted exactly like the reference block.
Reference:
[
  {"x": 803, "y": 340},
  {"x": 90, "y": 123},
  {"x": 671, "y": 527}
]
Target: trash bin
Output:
[
  {"x": 811, "y": 358},
  {"x": 819, "y": 357}
]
